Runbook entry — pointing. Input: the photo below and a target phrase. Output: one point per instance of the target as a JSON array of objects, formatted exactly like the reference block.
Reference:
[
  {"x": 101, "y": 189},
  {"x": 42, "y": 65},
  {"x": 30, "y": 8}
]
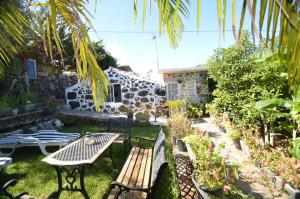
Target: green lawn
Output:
[{"x": 39, "y": 179}]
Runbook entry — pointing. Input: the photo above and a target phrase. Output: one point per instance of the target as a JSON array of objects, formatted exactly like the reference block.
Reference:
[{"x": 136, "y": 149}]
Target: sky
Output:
[{"x": 114, "y": 22}]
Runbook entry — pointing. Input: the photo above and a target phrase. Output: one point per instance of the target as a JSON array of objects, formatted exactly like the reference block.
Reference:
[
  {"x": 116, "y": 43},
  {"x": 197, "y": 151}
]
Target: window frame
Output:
[{"x": 111, "y": 92}]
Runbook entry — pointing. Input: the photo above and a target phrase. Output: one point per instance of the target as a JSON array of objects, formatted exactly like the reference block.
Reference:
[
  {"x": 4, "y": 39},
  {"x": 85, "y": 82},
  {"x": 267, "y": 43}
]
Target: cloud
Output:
[{"x": 116, "y": 51}]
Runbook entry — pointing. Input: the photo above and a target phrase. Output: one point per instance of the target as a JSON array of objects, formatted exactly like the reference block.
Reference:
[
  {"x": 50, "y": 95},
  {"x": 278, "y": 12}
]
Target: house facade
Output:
[
  {"x": 128, "y": 92},
  {"x": 187, "y": 83}
]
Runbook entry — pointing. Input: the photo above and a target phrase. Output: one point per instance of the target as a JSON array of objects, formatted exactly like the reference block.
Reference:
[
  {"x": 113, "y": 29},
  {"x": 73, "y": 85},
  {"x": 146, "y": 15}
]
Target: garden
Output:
[
  {"x": 39, "y": 179},
  {"x": 251, "y": 105}
]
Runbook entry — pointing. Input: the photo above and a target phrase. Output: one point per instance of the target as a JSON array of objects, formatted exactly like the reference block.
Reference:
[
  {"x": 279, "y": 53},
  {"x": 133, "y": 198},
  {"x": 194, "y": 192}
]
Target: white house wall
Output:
[{"x": 137, "y": 93}]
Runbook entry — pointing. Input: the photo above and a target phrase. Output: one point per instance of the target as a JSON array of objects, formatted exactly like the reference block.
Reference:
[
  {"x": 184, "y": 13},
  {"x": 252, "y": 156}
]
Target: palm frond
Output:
[
  {"x": 72, "y": 14},
  {"x": 12, "y": 22}
]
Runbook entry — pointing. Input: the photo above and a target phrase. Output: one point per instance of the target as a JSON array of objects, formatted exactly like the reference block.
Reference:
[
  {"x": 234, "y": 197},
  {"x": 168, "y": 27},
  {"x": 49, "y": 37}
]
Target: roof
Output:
[
  {"x": 131, "y": 75},
  {"x": 185, "y": 69}
]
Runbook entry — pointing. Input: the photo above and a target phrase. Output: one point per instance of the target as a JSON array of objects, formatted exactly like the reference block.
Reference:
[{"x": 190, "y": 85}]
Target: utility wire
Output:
[{"x": 156, "y": 32}]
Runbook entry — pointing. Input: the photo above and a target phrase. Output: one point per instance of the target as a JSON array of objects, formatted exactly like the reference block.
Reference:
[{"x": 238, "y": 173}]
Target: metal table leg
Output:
[
  {"x": 70, "y": 179},
  {"x": 111, "y": 157}
]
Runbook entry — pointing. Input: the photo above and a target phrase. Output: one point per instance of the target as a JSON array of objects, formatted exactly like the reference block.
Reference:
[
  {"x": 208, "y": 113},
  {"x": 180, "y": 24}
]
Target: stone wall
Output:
[
  {"x": 47, "y": 87},
  {"x": 201, "y": 81},
  {"x": 138, "y": 94}
]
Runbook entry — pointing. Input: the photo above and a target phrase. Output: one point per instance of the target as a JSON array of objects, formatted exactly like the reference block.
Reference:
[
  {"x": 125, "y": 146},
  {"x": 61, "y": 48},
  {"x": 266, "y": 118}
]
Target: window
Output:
[
  {"x": 172, "y": 91},
  {"x": 115, "y": 94},
  {"x": 31, "y": 68},
  {"x": 190, "y": 88}
]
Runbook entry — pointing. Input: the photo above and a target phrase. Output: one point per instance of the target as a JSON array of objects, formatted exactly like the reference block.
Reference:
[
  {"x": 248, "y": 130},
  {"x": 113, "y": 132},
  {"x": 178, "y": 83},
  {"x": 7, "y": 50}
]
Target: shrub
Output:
[
  {"x": 176, "y": 105},
  {"x": 8, "y": 101},
  {"x": 241, "y": 79},
  {"x": 29, "y": 97},
  {"x": 210, "y": 168},
  {"x": 194, "y": 110},
  {"x": 179, "y": 125},
  {"x": 142, "y": 116}
]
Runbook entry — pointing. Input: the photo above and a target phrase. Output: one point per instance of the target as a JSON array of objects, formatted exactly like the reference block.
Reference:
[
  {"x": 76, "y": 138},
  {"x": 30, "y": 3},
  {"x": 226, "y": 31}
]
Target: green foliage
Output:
[
  {"x": 295, "y": 151},
  {"x": 8, "y": 101},
  {"x": 29, "y": 98},
  {"x": 142, "y": 116},
  {"x": 234, "y": 133},
  {"x": 176, "y": 105},
  {"x": 194, "y": 110},
  {"x": 242, "y": 79},
  {"x": 211, "y": 169}
]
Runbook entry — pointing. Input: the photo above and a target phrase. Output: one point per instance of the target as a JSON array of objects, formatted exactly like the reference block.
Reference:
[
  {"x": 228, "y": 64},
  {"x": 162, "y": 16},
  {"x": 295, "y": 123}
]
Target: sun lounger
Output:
[
  {"x": 4, "y": 161},
  {"x": 42, "y": 138}
]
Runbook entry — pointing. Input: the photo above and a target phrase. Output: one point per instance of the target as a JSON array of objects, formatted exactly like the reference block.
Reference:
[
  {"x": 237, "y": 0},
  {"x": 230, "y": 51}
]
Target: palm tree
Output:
[{"x": 281, "y": 13}]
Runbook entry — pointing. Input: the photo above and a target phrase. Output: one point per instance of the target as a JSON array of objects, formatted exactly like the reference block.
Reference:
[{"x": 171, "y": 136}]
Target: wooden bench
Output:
[{"x": 142, "y": 171}]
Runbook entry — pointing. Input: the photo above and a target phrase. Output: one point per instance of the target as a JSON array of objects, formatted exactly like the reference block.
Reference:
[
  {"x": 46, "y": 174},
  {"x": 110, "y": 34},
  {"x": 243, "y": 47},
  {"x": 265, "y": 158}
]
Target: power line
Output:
[{"x": 156, "y": 32}]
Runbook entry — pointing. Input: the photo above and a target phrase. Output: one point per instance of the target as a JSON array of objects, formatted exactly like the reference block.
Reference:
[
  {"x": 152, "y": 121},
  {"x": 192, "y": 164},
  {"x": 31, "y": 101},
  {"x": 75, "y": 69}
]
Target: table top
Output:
[{"x": 77, "y": 152}]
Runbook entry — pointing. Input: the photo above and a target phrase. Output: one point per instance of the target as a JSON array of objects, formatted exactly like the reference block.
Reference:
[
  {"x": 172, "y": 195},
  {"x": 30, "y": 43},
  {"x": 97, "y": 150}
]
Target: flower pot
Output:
[
  {"x": 206, "y": 193},
  {"x": 181, "y": 145},
  {"x": 294, "y": 193},
  {"x": 4, "y": 112}
]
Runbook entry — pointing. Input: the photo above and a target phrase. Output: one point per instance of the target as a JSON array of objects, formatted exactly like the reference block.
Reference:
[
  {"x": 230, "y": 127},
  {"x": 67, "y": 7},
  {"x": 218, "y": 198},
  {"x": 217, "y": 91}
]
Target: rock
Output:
[
  {"x": 72, "y": 95},
  {"x": 143, "y": 93},
  {"x": 138, "y": 104},
  {"x": 128, "y": 95},
  {"x": 57, "y": 123},
  {"x": 126, "y": 102},
  {"x": 124, "y": 90},
  {"x": 123, "y": 109},
  {"x": 144, "y": 99},
  {"x": 133, "y": 89},
  {"x": 89, "y": 97},
  {"x": 74, "y": 104}
]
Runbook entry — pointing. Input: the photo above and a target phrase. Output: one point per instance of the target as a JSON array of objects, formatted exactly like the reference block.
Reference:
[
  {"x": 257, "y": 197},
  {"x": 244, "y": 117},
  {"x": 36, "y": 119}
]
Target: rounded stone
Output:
[
  {"x": 125, "y": 102},
  {"x": 128, "y": 95},
  {"x": 72, "y": 95},
  {"x": 143, "y": 93},
  {"x": 144, "y": 99},
  {"x": 123, "y": 109}
]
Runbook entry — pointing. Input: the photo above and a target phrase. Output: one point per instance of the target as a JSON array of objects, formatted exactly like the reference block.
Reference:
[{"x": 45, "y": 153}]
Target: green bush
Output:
[
  {"x": 29, "y": 98},
  {"x": 194, "y": 110},
  {"x": 241, "y": 78},
  {"x": 8, "y": 101}
]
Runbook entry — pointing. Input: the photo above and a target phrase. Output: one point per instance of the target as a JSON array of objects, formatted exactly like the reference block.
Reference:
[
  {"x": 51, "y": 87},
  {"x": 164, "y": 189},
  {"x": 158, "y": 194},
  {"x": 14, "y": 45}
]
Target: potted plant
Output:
[
  {"x": 28, "y": 101},
  {"x": 142, "y": 117},
  {"x": 212, "y": 177}
]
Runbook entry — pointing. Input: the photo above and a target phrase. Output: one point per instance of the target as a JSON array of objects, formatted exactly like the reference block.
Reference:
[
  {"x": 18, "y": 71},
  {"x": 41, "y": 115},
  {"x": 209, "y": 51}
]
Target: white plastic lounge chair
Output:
[
  {"x": 42, "y": 138},
  {"x": 4, "y": 161}
]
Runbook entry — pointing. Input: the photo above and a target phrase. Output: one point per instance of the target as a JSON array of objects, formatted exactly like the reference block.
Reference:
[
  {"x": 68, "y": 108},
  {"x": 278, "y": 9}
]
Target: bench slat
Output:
[
  {"x": 141, "y": 175},
  {"x": 136, "y": 169},
  {"x": 148, "y": 170},
  {"x": 124, "y": 169},
  {"x": 131, "y": 165}
]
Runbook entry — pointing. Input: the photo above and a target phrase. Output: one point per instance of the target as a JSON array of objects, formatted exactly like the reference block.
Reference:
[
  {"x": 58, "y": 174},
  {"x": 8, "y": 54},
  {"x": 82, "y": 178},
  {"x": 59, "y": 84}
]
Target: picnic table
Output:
[{"x": 78, "y": 155}]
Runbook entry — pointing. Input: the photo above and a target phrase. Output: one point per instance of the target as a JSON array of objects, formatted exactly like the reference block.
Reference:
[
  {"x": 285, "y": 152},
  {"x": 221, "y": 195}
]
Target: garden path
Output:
[{"x": 253, "y": 180}]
